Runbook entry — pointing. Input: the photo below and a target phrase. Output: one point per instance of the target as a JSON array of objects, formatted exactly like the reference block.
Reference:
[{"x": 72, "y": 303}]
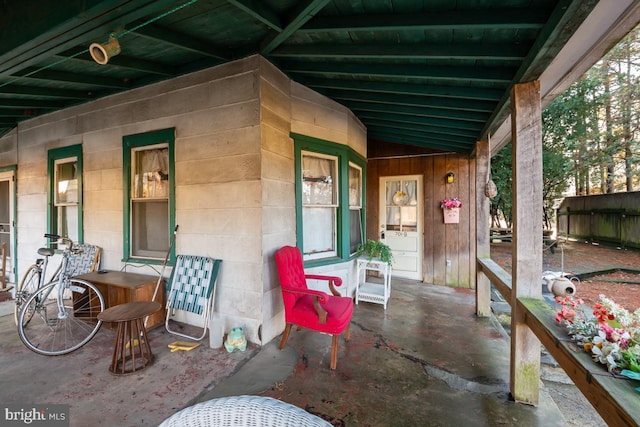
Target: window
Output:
[
  {"x": 65, "y": 192},
  {"x": 319, "y": 205},
  {"x": 329, "y": 200},
  {"x": 149, "y": 207},
  {"x": 355, "y": 207}
]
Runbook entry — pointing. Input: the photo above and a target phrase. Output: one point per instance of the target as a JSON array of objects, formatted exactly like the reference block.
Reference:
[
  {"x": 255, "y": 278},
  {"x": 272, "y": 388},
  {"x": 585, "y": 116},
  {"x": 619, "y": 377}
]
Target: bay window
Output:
[{"x": 329, "y": 200}]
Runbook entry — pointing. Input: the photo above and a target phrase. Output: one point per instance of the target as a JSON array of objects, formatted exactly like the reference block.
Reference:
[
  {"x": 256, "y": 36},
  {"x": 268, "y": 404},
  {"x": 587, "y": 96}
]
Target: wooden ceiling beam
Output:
[
  {"x": 183, "y": 41},
  {"x": 497, "y": 75},
  {"x": 405, "y": 51},
  {"x": 462, "y": 92},
  {"x": 517, "y": 18},
  {"x": 412, "y": 100}
]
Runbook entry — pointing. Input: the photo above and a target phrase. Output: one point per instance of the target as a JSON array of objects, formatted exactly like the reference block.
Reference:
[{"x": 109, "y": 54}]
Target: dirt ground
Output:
[
  {"x": 619, "y": 280},
  {"x": 585, "y": 259}
]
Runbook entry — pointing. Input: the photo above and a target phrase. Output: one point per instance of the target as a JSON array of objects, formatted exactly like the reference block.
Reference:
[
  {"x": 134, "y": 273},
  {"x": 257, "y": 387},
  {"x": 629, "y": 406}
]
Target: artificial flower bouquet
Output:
[
  {"x": 610, "y": 334},
  {"x": 450, "y": 203}
]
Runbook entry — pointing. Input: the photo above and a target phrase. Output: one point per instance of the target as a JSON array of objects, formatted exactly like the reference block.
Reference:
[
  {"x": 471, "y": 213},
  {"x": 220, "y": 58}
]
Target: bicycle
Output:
[
  {"x": 33, "y": 279},
  {"x": 60, "y": 316}
]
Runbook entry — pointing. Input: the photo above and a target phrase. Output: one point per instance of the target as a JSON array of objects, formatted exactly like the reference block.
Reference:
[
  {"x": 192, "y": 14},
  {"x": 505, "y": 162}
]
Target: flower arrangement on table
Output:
[
  {"x": 611, "y": 335},
  {"x": 450, "y": 203}
]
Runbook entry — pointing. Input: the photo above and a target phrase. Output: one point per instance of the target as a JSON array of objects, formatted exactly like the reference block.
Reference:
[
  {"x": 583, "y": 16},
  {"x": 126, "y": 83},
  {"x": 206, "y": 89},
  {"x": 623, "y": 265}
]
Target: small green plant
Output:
[{"x": 375, "y": 249}]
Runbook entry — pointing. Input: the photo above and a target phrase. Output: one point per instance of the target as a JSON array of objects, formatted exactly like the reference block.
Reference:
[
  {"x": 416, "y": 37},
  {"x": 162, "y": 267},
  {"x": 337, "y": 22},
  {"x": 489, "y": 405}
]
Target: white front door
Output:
[
  {"x": 7, "y": 222},
  {"x": 401, "y": 223}
]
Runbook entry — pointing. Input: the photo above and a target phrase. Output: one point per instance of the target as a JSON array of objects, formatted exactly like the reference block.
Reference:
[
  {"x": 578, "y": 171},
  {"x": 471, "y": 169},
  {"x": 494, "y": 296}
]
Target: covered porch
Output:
[
  {"x": 427, "y": 360},
  {"x": 450, "y": 81}
]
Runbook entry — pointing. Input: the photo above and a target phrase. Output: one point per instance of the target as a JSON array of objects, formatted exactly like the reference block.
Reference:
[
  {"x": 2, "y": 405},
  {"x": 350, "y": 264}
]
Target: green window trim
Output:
[
  {"x": 141, "y": 140},
  {"x": 54, "y": 155},
  {"x": 345, "y": 155}
]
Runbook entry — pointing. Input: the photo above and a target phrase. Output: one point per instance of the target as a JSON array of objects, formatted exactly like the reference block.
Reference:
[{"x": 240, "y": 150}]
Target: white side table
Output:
[{"x": 377, "y": 293}]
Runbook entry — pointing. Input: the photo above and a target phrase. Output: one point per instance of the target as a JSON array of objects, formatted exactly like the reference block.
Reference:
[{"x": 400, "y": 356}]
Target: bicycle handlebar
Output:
[{"x": 65, "y": 240}]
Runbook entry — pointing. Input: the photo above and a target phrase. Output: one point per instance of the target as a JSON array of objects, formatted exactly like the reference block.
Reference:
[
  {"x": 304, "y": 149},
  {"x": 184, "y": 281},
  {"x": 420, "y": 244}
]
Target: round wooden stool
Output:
[{"x": 132, "y": 351}]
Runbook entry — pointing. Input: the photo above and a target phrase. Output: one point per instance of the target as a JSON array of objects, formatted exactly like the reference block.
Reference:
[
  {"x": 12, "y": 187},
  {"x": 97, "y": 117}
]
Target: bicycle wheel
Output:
[
  {"x": 28, "y": 285},
  {"x": 54, "y": 332}
]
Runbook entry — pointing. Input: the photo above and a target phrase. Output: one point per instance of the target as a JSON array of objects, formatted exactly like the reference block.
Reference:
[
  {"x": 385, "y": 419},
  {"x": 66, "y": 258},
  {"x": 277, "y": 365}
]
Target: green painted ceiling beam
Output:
[
  {"x": 476, "y": 51},
  {"x": 500, "y": 75},
  {"x": 470, "y": 116},
  {"x": 391, "y": 124},
  {"x": 63, "y": 76},
  {"x": 462, "y": 127},
  {"x": 304, "y": 12},
  {"x": 77, "y": 23},
  {"x": 44, "y": 92},
  {"x": 15, "y": 113},
  {"x": 459, "y": 19},
  {"x": 559, "y": 27},
  {"x": 128, "y": 62},
  {"x": 12, "y": 103},
  {"x": 430, "y": 143},
  {"x": 474, "y": 93},
  {"x": 261, "y": 12},
  {"x": 183, "y": 41},
  {"x": 457, "y": 141},
  {"x": 412, "y": 100}
]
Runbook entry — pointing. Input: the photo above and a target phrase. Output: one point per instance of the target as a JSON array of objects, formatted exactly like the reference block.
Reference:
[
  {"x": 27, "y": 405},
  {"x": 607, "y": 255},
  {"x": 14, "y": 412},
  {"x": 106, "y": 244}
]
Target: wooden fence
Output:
[{"x": 603, "y": 218}]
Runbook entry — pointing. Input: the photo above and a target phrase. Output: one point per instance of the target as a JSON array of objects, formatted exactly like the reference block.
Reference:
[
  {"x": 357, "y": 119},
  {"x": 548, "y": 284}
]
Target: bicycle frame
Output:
[{"x": 67, "y": 307}]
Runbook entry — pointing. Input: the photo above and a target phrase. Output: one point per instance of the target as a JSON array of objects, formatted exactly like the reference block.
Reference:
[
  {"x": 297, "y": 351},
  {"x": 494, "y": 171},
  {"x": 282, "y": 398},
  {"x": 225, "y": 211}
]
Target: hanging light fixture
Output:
[{"x": 102, "y": 52}]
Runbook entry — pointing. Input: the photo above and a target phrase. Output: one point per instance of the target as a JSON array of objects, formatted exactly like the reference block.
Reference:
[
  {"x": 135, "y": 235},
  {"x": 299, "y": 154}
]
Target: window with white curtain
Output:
[
  {"x": 149, "y": 212},
  {"x": 330, "y": 213},
  {"x": 319, "y": 205}
]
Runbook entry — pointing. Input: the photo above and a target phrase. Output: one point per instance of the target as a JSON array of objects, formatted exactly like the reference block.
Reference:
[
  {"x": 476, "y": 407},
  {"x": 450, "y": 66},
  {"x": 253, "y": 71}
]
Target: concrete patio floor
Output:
[{"x": 425, "y": 361}]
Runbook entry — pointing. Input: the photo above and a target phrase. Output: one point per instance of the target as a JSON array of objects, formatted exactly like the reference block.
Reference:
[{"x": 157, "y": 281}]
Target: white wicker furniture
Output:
[
  {"x": 252, "y": 411},
  {"x": 378, "y": 293}
]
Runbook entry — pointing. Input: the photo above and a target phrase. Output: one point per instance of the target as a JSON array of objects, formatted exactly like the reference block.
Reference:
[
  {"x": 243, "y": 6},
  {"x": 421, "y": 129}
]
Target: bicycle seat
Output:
[{"x": 46, "y": 251}]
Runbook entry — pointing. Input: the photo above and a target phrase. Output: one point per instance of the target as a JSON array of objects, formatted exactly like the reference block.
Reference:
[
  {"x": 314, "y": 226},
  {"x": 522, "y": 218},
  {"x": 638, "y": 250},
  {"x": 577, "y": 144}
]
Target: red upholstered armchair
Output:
[{"x": 315, "y": 310}]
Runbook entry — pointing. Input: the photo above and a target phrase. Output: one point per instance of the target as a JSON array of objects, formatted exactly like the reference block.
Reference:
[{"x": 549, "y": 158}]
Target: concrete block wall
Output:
[{"x": 234, "y": 174}]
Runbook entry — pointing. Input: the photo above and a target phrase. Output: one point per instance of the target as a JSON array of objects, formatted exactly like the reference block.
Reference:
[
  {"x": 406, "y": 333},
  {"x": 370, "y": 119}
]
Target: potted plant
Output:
[
  {"x": 451, "y": 210},
  {"x": 375, "y": 249}
]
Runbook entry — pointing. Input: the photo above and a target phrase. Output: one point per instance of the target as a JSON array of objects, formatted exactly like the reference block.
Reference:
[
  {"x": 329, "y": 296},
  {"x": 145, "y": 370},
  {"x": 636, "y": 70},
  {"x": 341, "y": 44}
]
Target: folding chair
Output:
[
  {"x": 85, "y": 258},
  {"x": 192, "y": 285}
]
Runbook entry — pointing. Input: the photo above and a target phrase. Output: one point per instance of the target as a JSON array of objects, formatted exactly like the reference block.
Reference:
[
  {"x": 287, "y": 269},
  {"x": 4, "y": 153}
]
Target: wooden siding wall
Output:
[{"x": 454, "y": 242}]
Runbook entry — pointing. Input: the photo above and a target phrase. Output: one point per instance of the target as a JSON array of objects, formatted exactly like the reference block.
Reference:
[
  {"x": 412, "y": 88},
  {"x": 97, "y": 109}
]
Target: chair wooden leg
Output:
[
  {"x": 285, "y": 336},
  {"x": 347, "y": 332},
  {"x": 334, "y": 351}
]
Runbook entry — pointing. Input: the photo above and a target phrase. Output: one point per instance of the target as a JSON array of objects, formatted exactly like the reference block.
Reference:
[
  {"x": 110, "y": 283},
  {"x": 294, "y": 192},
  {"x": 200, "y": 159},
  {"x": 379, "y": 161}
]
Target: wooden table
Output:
[
  {"x": 132, "y": 351},
  {"x": 119, "y": 287}
]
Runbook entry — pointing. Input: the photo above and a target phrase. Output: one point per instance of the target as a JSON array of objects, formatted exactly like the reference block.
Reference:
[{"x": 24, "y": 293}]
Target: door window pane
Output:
[{"x": 402, "y": 205}]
